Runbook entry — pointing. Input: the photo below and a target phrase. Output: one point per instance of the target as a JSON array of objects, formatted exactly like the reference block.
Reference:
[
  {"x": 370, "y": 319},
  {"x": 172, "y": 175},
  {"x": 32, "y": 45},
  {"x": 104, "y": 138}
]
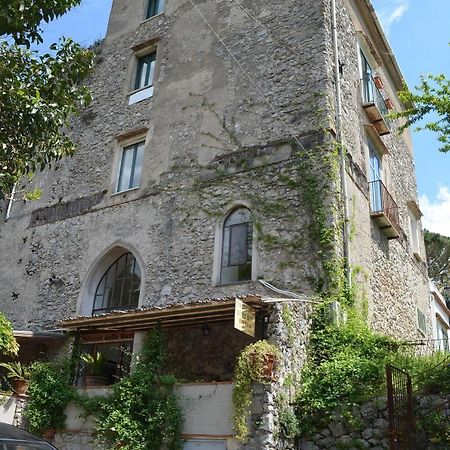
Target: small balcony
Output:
[
  {"x": 384, "y": 210},
  {"x": 375, "y": 106}
]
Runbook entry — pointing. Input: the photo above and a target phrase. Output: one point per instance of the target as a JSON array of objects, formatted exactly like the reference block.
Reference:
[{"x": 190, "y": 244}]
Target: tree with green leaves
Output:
[
  {"x": 438, "y": 259},
  {"x": 432, "y": 97},
  {"x": 39, "y": 93}
]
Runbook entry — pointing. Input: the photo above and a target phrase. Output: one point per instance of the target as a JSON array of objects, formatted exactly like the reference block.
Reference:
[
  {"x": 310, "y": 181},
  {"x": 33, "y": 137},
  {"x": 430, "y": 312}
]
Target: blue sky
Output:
[{"x": 419, "y": 33}]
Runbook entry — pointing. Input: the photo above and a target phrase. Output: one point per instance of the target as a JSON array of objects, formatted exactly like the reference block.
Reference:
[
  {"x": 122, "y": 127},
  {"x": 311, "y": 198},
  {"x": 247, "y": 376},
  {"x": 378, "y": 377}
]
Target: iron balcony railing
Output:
[
  {"x": 382, "y": 204},
  {"x": 371, "y": 95}
]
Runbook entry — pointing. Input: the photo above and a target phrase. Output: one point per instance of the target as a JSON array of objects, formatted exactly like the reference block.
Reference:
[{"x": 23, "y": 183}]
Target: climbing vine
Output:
[
  {"x": 141, "y": 413},
  {"x": 250, "y": 368}
]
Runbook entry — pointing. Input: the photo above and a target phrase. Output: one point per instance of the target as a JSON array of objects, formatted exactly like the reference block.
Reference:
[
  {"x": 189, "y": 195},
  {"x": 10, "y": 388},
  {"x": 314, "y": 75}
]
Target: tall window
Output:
[
  {"x": 145, "y": 71},
  {"x": 414, "y": 232},
  {"x": 154, "y": 7},
  {"x": 367, "y": 78},
  {"x": 119, "y": 287},
  {"x": 375, "y": 178},
  {"x": 237, "y": 242},
  {"x": 130, "y": 167}
]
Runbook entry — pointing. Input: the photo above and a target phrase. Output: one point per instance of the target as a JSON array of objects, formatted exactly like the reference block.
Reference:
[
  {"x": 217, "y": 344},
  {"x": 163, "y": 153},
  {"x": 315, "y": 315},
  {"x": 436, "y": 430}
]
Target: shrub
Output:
[
  {"x": 142, "y": 411},
  {"x": 50, "y": 391}
]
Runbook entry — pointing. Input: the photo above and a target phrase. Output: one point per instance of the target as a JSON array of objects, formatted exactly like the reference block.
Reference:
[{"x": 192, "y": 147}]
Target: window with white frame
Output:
[
  {"x": 442, "y": 335},
  {"x": 154, "y": 7},
  {"x": 130, "y": 168},
  {"x": 367, "y": 80},
  {"x": 237, "y": 243},
  {"x": 421, "y": 322},
  {"x": 143, "y": 77},
  {"x": 375, "y": 177},
  {"x": 414, "y": 227},
  {"x": 145, "y": 71}
]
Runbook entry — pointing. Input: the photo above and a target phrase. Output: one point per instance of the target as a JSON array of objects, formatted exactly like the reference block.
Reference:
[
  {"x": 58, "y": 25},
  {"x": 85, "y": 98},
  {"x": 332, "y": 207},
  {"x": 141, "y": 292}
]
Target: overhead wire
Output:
[{"x": 258, "y": 88}]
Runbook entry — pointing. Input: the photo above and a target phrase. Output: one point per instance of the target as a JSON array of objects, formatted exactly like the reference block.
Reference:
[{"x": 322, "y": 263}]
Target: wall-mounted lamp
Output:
[{"x": 206, "y": 329}]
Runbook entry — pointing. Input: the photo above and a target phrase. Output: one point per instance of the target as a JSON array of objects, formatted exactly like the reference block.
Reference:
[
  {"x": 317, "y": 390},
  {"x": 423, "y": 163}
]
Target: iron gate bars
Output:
[{"x": 402, "y": 428}]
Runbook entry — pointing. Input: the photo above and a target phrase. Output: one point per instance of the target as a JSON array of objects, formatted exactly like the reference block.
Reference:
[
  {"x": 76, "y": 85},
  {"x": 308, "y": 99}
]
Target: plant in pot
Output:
[
  {"x": 255, "y": 364},
  {"x": 18, "y": 376},
  {"x": 95, "y": 369}
]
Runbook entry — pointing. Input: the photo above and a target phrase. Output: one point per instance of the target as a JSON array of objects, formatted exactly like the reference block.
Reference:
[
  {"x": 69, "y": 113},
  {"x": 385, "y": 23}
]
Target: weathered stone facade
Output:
[
  {"x": 368, "y": 427},
  {"x": 217, "y": 137}
]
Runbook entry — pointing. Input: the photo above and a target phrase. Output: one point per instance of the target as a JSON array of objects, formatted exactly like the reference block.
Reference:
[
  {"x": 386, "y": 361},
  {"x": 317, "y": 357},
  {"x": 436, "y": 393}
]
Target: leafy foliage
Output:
[
  {"x": 430, "y": 374},
  {"x": 21, "y": 19},
  {"x": 50, "y": 391},
  {"x": 8, "y": 343},
  {"x": 38, "y": 93},
  {"x": 432, "y": 97},
  {"x": 16, "y": 371},
  {"x": 142, "y": 412},
  {"x": 347, "y": 365},
  {"x": 438, "y": 259},
  {"x": 249, "y": 369}
]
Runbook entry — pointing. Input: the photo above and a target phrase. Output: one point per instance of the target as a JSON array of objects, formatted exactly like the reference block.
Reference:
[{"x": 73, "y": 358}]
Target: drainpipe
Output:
[
  {"x": 11, "y": 200},
  {"x": 342, "y": 159}
]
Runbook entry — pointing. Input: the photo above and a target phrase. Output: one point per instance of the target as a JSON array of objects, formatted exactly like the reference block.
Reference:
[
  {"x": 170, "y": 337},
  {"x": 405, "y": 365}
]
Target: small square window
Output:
[
  {"x": 130, "y": 167},
  {"x": 145, "y": 71},
  {"x": 154, "y": 7}
]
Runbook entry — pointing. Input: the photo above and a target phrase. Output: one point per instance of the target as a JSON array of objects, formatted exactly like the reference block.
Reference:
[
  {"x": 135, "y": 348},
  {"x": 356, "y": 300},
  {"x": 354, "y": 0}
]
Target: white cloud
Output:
[
  {"x": 391, "y": 11},
  {"x": 437, "y": 213}
]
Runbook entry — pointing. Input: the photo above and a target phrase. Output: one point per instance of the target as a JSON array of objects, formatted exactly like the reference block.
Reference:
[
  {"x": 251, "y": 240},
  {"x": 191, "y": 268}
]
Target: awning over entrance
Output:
[{"x": 174, "y": 315}]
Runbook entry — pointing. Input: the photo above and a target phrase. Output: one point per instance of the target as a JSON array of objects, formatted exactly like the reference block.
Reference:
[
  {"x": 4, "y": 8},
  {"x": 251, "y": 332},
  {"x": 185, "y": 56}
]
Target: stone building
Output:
[{"x": 207, "y": 172}]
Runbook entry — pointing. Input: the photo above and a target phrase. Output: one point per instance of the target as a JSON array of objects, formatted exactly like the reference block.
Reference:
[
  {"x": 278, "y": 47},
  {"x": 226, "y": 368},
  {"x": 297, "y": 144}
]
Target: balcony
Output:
[
  {"x": 384, "y": 210},
  {"x": 375, "y": 106}
]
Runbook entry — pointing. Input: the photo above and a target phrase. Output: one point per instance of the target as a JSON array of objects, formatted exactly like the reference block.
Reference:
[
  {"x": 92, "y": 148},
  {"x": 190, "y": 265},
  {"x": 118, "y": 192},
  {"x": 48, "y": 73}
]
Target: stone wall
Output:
[
  {"x": 212, "y": 142},
  {"x": 369, "y": 427},
  {"x": 288, "y": 328},
  {"x": 391, "y": 281}
]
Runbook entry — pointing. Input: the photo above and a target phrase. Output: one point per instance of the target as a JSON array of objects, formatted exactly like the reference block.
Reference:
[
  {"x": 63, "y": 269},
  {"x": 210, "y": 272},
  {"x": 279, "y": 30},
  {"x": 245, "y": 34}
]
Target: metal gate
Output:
[{"x": 402, "y": 427}]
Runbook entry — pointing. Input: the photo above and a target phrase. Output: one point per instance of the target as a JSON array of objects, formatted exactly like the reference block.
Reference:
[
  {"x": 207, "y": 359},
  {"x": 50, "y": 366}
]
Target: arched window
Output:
[
  {"x": 237, "y": 243},
  {"x": 119, "y": 287}
]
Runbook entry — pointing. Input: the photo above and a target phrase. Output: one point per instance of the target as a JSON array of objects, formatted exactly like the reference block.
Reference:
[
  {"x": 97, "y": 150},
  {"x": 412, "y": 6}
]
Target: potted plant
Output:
[
  {"x": 256, "y": 363},
  {"x": 378, "y": 82},
  {"x": 95, "y": 365},
  {"x": 18, "y": 375},
  {"x": 389, "y": 103}
]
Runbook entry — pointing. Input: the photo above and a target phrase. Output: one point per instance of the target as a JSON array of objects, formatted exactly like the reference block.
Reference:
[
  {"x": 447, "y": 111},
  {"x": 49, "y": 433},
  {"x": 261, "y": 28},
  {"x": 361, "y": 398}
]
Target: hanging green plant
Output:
[
  {"x": 8, "y": 343},
  {"x": 256, "y": 364}
]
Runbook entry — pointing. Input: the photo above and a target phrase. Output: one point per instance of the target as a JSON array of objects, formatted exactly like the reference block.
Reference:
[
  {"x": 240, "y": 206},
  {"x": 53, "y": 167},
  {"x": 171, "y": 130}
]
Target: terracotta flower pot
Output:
[
  {"x": 389, "y": 104},
  {"x": 378, "y": 82},
  {"x": 269, "y": 367},
  {"x": 20, "y": 386}
]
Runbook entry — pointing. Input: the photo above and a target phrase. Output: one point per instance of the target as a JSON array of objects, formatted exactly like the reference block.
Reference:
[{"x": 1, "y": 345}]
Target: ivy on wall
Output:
[{"x": 140, "y": 414}]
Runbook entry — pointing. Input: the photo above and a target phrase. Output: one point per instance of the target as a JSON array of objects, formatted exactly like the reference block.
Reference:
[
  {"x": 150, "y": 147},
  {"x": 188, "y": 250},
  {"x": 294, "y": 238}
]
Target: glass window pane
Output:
[
  {"x": 237, "y": 241},
  {"x": 154, "y": 7},
  {"x": 225, "y": 247},
  {"x": 139, "y": 156},
  {"x": 126, "y": 168},
  {"x": 120, "y": 286},
  {"x": 238, "y": 244},
  {"x": 145, "y": 71}
]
